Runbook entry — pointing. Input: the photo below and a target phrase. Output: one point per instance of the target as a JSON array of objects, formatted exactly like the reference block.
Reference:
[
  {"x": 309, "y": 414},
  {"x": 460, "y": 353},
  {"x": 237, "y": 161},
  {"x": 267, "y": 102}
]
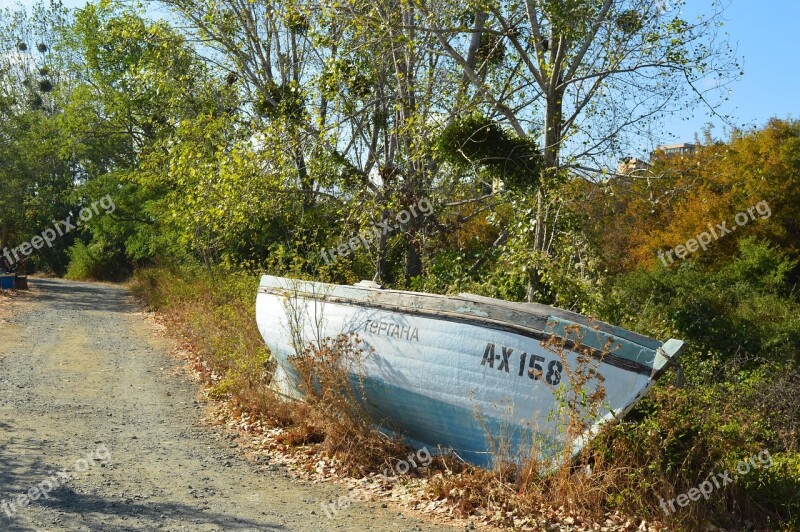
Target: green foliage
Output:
[
  {"x": 36, "y": 176},
  {"x": 285, "y": 100},
  {"x": 491, "y": 50},
  {"x": 477, "y": 141},
  {"x": 630, "y": 21},
  {"x": 775, "y": 489},
  {"x": 676, "y": 438},
  {"x": 97, "y": 263},
  {"x": 742, "y": 313}
]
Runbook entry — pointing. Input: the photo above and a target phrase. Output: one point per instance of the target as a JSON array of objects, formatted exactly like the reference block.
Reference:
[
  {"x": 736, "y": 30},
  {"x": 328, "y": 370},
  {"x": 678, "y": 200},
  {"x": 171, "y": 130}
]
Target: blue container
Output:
[{"x": 7, "y": 282}]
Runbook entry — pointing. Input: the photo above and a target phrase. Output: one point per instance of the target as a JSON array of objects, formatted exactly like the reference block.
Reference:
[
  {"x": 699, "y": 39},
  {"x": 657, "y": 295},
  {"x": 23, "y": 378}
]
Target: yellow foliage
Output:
[{"x": 684, "y": 197}]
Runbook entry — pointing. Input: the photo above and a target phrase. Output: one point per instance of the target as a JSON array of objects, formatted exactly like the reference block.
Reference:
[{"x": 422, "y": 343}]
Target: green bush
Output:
[
  {"x": 96, "y": 262},
  {"x": 736, "y": 317},
  {"x": 776, "y": 489}
]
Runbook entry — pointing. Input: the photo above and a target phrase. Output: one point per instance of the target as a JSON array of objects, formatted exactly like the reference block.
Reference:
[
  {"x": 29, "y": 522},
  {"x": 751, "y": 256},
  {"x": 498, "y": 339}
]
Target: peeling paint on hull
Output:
[{"x": 464, "y": 373}]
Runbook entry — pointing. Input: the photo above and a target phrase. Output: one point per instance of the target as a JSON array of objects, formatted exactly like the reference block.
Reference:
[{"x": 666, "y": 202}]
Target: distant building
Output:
[
  {"x": 684, "y": 149},
  {"x": 497, "y": 186},
  {"x": 631, "y": 165}
]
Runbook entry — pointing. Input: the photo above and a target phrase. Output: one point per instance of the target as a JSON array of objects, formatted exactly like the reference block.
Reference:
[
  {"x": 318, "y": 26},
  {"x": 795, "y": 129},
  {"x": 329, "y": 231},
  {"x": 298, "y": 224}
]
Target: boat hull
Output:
[{"x": 454, "y": 379}]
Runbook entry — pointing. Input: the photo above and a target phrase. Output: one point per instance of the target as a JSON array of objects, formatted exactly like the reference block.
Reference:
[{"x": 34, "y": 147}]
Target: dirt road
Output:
[{"x": 100, "y": 428}]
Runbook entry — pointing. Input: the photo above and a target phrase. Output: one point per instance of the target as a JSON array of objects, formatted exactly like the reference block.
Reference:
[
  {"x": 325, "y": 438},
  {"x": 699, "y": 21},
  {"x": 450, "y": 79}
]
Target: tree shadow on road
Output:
[
  {"x": 70, "y": 295},
  {"x": 69, "y": 509},
  {"x": 98, "y": 513}
]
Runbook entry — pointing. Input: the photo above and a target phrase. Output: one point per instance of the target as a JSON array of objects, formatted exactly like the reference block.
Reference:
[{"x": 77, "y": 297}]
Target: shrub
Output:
[
  {"x": 96, "y": 262},
  {"x": 669, "y": 443}
]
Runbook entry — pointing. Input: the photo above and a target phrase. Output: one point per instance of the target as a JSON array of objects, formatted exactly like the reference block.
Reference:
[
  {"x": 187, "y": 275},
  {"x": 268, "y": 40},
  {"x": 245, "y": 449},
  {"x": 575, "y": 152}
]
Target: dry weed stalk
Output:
[
  {"x": 514, "y": 489},
  {"x": 332, "y": 413}
]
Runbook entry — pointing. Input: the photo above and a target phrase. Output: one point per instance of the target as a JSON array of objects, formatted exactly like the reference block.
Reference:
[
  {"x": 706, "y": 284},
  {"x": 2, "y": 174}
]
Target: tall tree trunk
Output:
[
  {"x": 306, "y": 181},
  {"x": 404, "y": 57},
  {"x": 3, "y": 244},
  {"x": 413, "y": 254},
  {"x": 3, "y": 237},
  {"x": 552, "y": 147},
  {"x": 382, "y": 265}
]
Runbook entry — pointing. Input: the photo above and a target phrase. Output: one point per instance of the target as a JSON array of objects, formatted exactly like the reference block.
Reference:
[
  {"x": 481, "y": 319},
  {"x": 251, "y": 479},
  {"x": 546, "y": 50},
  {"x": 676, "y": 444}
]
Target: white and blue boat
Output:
[{"x": 472, "y": 375}]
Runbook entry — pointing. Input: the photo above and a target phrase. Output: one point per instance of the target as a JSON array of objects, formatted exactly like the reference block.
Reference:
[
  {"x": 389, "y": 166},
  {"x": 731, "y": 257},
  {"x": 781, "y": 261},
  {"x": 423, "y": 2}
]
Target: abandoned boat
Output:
[{"x": 476, "y": 376}]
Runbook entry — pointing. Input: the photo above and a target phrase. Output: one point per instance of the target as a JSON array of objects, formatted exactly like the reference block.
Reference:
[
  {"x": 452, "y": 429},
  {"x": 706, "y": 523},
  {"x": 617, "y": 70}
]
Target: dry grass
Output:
[
  {"x": 214, "y": 317},
  {"x": 623, "y": 472},
  {"x": 217, "y": 323},
  {"x": 333, "y": 410},
  {"x": 524, "y": 492}
]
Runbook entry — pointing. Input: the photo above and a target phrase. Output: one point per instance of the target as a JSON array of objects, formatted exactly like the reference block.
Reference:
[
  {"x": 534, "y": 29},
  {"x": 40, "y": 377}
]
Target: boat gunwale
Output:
[
  {"x": 539, "y": 310},
  {"x": 472, "y": 319}
]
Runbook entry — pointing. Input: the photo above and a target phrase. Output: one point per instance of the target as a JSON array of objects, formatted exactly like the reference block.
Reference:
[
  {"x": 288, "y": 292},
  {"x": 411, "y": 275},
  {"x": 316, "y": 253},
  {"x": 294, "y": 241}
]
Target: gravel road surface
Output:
[{"x": 100, "y": 426}]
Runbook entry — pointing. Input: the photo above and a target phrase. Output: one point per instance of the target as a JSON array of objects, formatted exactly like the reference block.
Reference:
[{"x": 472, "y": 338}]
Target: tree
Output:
[
  {"x": 141, "y": 81},
  {"x": 36, "y": 173},
  {"x": 354, "y": 104},
  {"x": 754, "y": 172},
  {"x": 593, "y": 74}
]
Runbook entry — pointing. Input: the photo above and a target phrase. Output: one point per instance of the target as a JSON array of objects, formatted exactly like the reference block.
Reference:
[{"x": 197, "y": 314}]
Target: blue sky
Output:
[{"x": 764, "y": 34}]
